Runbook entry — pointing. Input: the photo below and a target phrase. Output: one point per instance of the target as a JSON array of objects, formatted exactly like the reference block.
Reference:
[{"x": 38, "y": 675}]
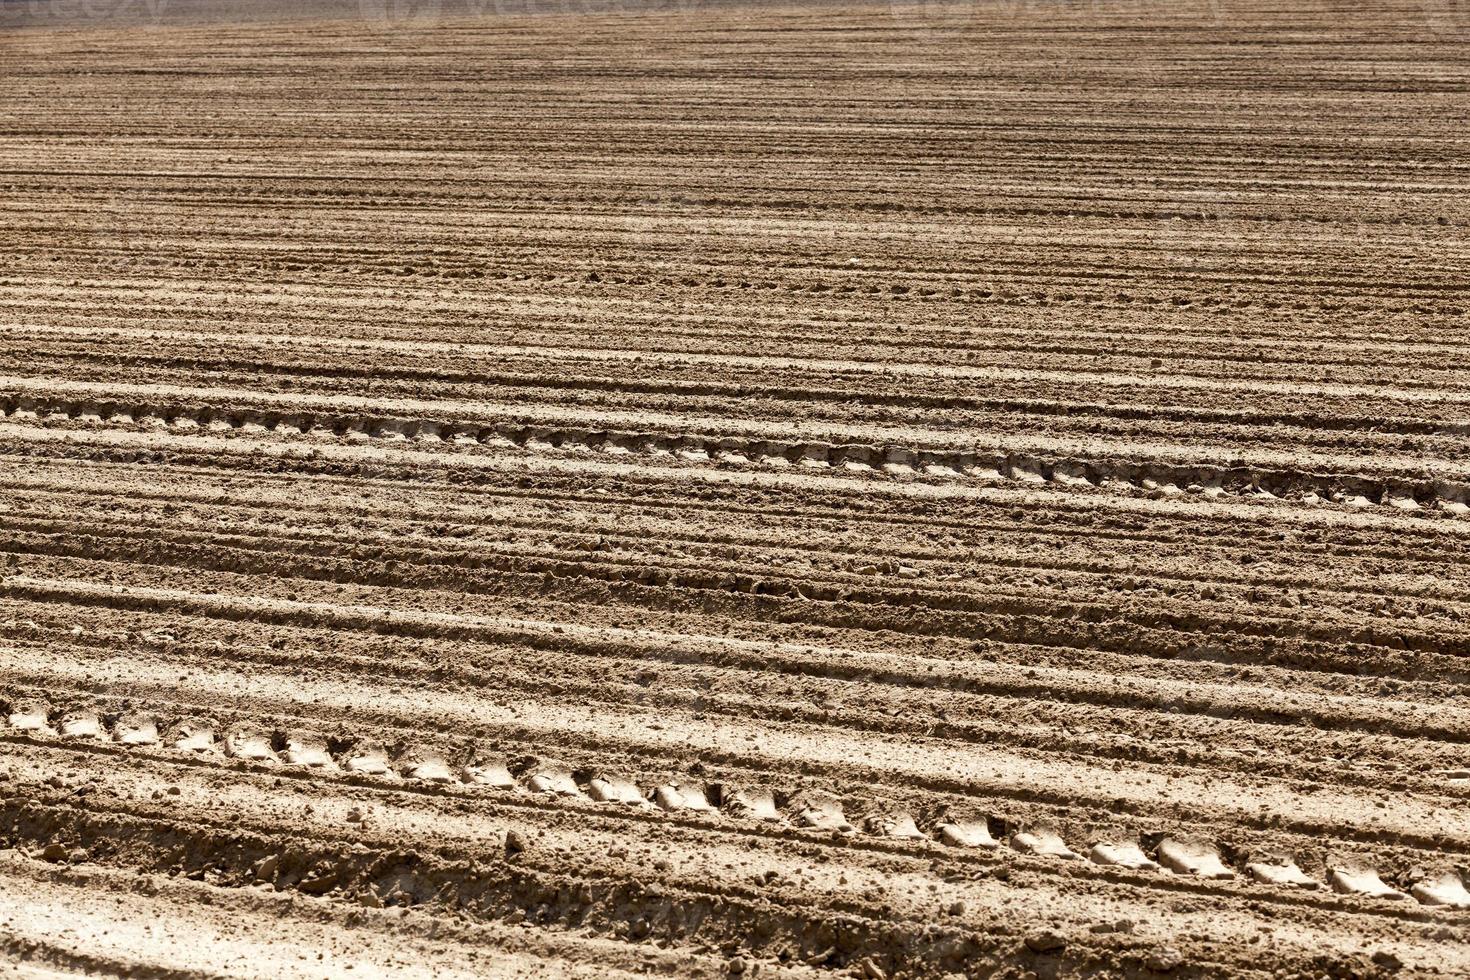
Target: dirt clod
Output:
[
  {"x": 267, "y": 867},
  {"x": 1387, "y": 960},
  {"x": 1165, "y": 959},
  {"x": 322, "y": 879}
]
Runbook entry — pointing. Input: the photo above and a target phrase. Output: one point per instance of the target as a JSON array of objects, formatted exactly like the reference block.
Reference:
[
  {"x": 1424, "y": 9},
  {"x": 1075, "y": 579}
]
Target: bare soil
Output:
[{"x": 896, "y": 492}]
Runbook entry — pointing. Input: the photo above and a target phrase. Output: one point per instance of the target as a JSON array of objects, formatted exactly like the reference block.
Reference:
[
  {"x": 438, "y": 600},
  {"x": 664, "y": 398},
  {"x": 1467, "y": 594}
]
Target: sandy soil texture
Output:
[{"x": 908, "y": 491}]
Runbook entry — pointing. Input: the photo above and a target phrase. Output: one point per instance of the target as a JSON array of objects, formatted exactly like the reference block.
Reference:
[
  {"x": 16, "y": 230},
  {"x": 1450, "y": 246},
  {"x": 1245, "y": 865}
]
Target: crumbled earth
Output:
[{"x": 914, "y": 491}]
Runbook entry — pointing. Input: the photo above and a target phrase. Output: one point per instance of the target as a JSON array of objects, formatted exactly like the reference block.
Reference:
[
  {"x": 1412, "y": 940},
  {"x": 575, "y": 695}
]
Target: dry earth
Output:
[{"x": 866, "y": 492}]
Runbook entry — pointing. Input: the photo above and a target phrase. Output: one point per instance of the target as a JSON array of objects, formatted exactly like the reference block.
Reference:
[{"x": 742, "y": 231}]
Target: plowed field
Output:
[{"x": 889, "y": 492}]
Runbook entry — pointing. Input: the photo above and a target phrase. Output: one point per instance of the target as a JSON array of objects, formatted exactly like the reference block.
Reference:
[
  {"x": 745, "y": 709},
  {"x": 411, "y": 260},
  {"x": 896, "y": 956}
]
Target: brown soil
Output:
[{"x": 889, "y": 492}]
